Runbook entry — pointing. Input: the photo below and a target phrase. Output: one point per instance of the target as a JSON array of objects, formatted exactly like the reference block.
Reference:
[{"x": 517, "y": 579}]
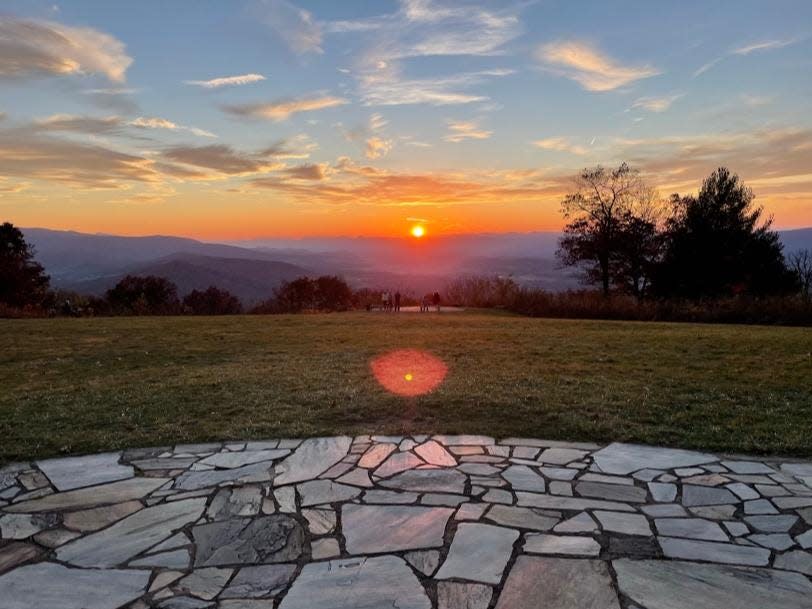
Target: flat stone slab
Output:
[
  {"x": 77, "y": 472},
  {"x": 312, "y": 458},
  {"x": 558, "y": 583},
  {"x": 117, "y": 492},
  {"x": 479, "y": 552},
  {"x": 714, "y": 552},
  {"x": 243, "y": 541},
  {"x": 624, "y": 459},
  {"x": 428, "y": 481},
  {"x": 373, "y": 529},
  {"x": 570, "y": 545},
  {"x": 357, "y": 583},
  {"x": 660, "y": 584},
  {"x": 53, "y": 586}
]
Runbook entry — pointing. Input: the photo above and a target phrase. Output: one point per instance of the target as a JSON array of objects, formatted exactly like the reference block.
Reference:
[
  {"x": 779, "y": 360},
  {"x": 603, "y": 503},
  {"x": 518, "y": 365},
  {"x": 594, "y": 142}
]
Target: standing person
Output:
[
  {"x": 397, "y": 302},
  {"x": 385, "y": 300},
  {"x": 436, "y": 300}
]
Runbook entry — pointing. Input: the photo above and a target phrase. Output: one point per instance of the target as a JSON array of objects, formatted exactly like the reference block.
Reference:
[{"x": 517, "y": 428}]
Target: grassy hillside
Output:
[{"x": 83, "y": 385}]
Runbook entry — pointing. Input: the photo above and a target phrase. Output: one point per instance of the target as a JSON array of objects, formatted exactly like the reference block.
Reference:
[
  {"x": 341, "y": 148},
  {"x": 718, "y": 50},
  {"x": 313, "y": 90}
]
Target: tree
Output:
[
  {"x": 148, "y": 295},
  {"x": 638, "y": 251},
  {"x": 22, "y": 280},
  {"x": 601, "y": 200},
  {"x": 212, "y": 301},
  {"x": 332, "y": 294},
  {"x": 718, "y": 244},
  {"x": 800, "y": 263}
]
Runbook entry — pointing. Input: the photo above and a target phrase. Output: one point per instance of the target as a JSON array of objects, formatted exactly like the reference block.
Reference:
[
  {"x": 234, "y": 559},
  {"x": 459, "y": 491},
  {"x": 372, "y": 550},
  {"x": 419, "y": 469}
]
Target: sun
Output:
[{"x": 418, "y": 231}]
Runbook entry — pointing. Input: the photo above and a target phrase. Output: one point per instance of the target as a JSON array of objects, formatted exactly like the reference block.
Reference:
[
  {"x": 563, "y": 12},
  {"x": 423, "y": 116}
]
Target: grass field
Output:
[{"x": 84, "y": 385}]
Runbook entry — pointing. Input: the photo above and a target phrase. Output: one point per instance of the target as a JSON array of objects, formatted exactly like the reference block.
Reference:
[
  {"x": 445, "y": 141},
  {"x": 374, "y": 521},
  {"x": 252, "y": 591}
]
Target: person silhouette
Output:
[{"x": 397, "y": 301}]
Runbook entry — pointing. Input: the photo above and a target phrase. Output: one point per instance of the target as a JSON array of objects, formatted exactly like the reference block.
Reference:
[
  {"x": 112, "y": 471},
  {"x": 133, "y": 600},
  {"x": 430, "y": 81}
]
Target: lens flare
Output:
[
  {"x": 418, "y": 231},
  {"x": 409, "y": 372}
]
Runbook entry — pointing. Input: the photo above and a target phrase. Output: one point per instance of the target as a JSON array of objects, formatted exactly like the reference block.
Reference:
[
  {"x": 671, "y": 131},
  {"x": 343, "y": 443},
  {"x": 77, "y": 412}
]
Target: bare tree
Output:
[
  {"x": 800, "y": 262},
  {"x": 598, "y": 208}
]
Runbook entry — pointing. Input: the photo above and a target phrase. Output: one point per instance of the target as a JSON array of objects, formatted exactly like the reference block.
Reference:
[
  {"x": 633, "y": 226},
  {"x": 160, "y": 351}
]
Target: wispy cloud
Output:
[
  {"x": 223, "y": 159},
  {"x": 30, "y": 48},
  {"x": 766, "y": 45},
  {"x": 295, "y": 26},
  {"x": 281, "y": 110},
  {"x": 592, "y": 69},
  {"x": 656, "y": 104},
  {"x": 459, "y": 131},
  {"x": 388, "y": 88},
  {"x": 162, "y": 123},
  {"x": 226, "y": 81},
  {"x": 560, "y": 144},
  {"x": 377, "y": 147},
  {"x": 109, "y": 124}
]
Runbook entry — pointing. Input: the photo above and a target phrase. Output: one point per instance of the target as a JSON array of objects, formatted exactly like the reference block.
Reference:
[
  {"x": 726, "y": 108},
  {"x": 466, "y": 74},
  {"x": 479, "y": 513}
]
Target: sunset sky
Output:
[{"x": 227, "y": 120}]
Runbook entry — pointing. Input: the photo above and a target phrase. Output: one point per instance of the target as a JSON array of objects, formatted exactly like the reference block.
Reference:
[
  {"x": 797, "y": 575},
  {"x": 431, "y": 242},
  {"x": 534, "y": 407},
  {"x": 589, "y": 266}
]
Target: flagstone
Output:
[
  {"x": 178, "y": 540},
  {"x": 797, "y": 560},
  {"x": 164, "y": 463},
  {"x": 466, "y": 450},
  {"x": 659, "y": 584},
  {"x": 776, "y": 541},
  {"x": 759, "y": 506},
  {"x": 237, "y": 501},
  {"x": 70, "y": 473},
  {"x": 664, "y": 510},
  {"x": 479, "y": 552},
  {"x": 523, "y": 478},
  {"x": 580, "y": 523},
  {"x": 53, "y": 586},
  {"x": 694, "y": 528},
  {"x": 612, "y": 492},
  {"x": 706, "y": 480},
  {"x": 375, "y": 455},
  {"x": 805, "y": 540},
  {"x": 471, "y": 511},
  {"x": 313, "y": 457},
  {"x": 705, "y": 495},
  {"x": 647, "y": 475},
  {"x": 241, "y": 459},
  {"x": 425, "y": 561},
  {"x": 522, "y": 518},
  {"x": 16, "y": 553},
  {"x": 689, "y": 472},
  {"x": 464, "y": 440},
  {"x": 712, "y": 551},
  {"x": 21, "y": 526},
  {"x": 317, "y": 492},
  {"x": 478, "y": 469},
  {"x": 244, "y": 541},
  {"x": 434, "y": 453},
  {"x": 742, "y": 491},
  {"x": 791, "y": 503},
  {"x": 115, "y": 492},
  {"x": 356, "y": 583},
  {"x": 714, "y": 512},
  {"x": 396, "y": 463},
  {"x": 569, "y": 503},
  {"x": 174, "y": 559},
  {"x": 662, "y": 492},
  {"x": 454, "y": 595},
  {"x": 569, "y": 545},
  {"x": 165, "y": 578},
  {"x": 357, "y": 477},
  {"x": 498, "y": 496},
  {"x": 561, "y": 488},
  {"x": 326, "y": 547},
  {"x": 259, "y": 581},
  {"x": 748, "y": 467},
  {"x": 772, "y": 524},
  {"x": 320, "y": 522},
  {"x": 593, "y": 477},
  {"x": 54, "y": 538},
  {"x": 196, "y": 480},
  {"x": 372, "y": 529},
  {"x": 428, "y": 480},
  {"x": 443, "y": 499},
  {"x": 94, "y": 519},
  {"x": 376, "y": 496},
  {"x": 624, "y": 459},
  {"x": 558, "y": 583},
  {"x": 628, "y": 524},
  {"x": 561, "y": 456},
  {"x": 185, "y": 602},
  {"x": 134, "y": 534}
]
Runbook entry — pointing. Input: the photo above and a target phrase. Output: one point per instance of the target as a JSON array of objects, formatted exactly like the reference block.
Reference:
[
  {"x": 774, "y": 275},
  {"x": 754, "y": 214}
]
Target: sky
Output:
[{"x": 269, "y": 118}]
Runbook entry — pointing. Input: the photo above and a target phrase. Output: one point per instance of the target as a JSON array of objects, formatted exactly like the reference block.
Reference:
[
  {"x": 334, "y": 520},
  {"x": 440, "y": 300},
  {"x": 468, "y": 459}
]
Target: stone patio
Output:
[{"x": 444, "y": 522}]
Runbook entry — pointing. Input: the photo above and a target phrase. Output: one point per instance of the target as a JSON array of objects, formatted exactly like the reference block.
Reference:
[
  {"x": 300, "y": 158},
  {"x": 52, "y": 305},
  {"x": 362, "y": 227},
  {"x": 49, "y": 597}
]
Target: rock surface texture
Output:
[{"x": 414, "y": 522}]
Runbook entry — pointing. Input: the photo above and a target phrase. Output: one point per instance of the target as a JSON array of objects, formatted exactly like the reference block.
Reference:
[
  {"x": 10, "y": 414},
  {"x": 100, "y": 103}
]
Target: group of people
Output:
[{"x": 391, "y": 302}]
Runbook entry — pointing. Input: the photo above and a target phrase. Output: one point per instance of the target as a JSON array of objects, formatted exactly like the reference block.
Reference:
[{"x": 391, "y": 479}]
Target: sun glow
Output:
[{"x": 418, "y": 231}]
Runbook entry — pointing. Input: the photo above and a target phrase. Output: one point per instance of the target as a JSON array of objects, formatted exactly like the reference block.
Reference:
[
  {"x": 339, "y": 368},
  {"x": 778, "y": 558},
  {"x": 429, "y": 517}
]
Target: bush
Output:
[
  {"x": 325, "y": 293},
  {"x": 148, "y": 295},
  {"x": 212, "y": 301},
  {"x": 481, "y": 292}
]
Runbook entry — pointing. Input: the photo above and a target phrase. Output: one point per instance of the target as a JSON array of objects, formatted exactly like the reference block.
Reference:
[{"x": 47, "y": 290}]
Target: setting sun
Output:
[{"x": 418, "y": 231}]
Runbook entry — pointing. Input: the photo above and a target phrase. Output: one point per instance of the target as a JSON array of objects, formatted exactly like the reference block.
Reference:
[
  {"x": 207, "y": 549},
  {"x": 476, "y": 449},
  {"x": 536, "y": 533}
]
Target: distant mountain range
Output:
[{"x": 92, "y": 264}]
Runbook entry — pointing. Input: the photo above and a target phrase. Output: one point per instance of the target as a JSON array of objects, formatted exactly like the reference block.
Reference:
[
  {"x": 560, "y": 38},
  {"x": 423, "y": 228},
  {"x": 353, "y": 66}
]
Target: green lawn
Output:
[{"x": 84, "y": 385}]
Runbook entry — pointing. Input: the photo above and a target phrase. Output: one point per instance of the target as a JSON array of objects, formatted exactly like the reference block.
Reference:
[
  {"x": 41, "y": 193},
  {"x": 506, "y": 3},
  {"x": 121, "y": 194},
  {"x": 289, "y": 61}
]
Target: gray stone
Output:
[
  {"x": 694, "y": 528},
  {"x": 312, "y": 458},
  {"x": 471, "y": 511},
  {"x": 317, "y": 492},
  {"x": 464, "y": 440},
  {"x": 428, "y": 481},
  {"x": 496, "y": 495},
  {"x": 356, "y": 477},
  {"x": 54, "y": 538},
  {"x": 164, "y": 463},
  {"x": 396, "y": 463},
  {"x": 805, "y": 540},
  {"x": 100, "y": 517},
  {"x": 706, "y": 495},
  {"x": 759, "y": 506},
  {"x": 714, "y": 512},
  {"x": 371, "y": 529},
  {"x": 320, "y": 522},
  {"x": 792, "y": 503},
  {"x": 561, "y": 456},
  {"x": 242, "y": 541},
  {"x": 660, "y": 584},
  {"x": 16, "y": 553},
  {"x": 665, "y": 510},
  {"x": 175, "y": 559},
  {"x": 204, "y": 583},
  {"x": 53, "y": 586},
  {"x": 624, "y": 459},
  {"x": 559, "y": 473},
  {"x": 662, "y": 492},
  {"x": 259, "y": 581},
  {"x": 569, "y": 503},
  {"x": 742, "y": 491},
  {"x": 286, "y": 497},
  {"x": 21, "y": 526},
  {"x": 581, "y": 523},
  {"x": 452, "y": 595},
  {"x": 70, "y": 473},
  {"x": 185, "y": 602},
  {"x": 357, "y": 583},
  {"x": 425, "y": 561},
  {"x": 797, "y": 560},
  {"x": 591, "y": 477},
  {"x": 326, "y": 547},
  {"x": 522, "y": 478},
  {"x": 443, "y": 499},
  {"x": 628, "y": 524},
  {"x": 736, "y": 529},
  {"x": 712, "y": 551},
  {"x": 558, "y": 583},
  {"x": 570, "y": 545},
  {"x": 561, "y": 488},
  {"x": 612, "y": 492},
  {"x": 134, "y": 534},
  {"x": 241, "y": 459},
  {"x": 748, "y": 467},
  {"x": 375, "y": 496},
  {"x": 706, "y": 480},
  {"x": 522, "y": 518},
  {"x": 433, "y": 452},
  {"x": 772, "y": 524},
  {"x": 194, "y": 480},
  {"x": 479, "y": 552},
  {"x": 116, "y": 492},
  {"x": 776, "y": 541},
  {"x": 238, "y": 501}
]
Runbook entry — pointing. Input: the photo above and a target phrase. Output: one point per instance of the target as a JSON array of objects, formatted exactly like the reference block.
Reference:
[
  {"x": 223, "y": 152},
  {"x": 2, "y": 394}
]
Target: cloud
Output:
[
  {"x": 117, "y": 99},
  {"x": 162, "y": 123},
  {"x": 222, "y": 159},
  {"x": 377, "y": 147},
  {"x": 560, "y": 144},
  {"x": 465, "y": 130},
  {"x": 593, "y": 70},
  {"x": 311, "y": 171},
  {"x": 389, "y": 89},
  {"x": 655, "y": 104},
  {"x": 293, "y": 25},
  {"x": 226, "y": 81},
  {"x": 767, "y": 45},
  {"x": 30, "y": 48},
  {"x": 281, "y": 110}
]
